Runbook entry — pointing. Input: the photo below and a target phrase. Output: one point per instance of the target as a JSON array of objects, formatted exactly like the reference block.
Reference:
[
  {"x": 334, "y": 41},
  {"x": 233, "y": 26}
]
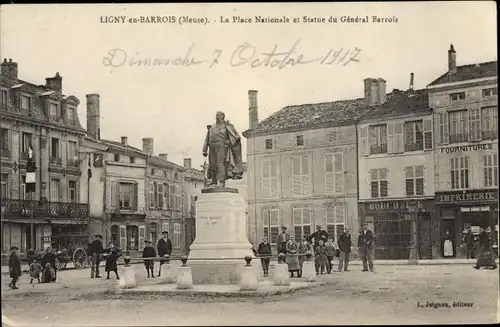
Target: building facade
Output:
[
  {"x": 302, "y": 169},
  {"x": 465, "y": 104},
  {"x": 396, "y": 170},
  {"x": 44, "y": 119}
]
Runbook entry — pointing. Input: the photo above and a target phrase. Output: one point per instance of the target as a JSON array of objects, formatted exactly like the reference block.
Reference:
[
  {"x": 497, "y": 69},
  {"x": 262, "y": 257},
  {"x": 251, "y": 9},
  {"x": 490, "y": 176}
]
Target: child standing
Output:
[
  {"x": 264, "y": 251},
  {"x": 330, "y": 254},
  {"x": 14, "y": 267},
  {"x": 113, "y": 253},
  {"x": 149, "y": 252},
  {"x": 35, "y": 271},
  {"x": 321, "y": 258}
]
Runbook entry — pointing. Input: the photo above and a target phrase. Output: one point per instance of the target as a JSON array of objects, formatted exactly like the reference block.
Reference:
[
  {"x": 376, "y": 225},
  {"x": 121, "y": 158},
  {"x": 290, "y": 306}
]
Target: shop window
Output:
[{"x": 272, "y": 225}]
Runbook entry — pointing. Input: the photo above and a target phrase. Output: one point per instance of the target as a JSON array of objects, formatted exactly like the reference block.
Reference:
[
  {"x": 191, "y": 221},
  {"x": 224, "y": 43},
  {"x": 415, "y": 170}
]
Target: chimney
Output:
[
  {"x": 187, "y": 163},
  {"x": 164, "y": 156},
  {"x": 9, "y": 69},
  {"x": 452, "y": 60},
  {"x": 411, "y": 81},
  {"x": 148, "y": 145},
  {"x": 253, "y": 110},
  {"x": 124, "y": 140},
  {"x": 381, "y": 91},
  {"x": 93, "y": 117},
  {"x": 375, "y": 89},
  {"x": 54, "y": 83}
]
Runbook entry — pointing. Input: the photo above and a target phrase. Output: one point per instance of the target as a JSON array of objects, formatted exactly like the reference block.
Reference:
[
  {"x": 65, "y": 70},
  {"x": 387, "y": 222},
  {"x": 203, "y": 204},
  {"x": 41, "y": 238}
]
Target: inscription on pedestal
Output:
[{"x": 211, "y": 220}]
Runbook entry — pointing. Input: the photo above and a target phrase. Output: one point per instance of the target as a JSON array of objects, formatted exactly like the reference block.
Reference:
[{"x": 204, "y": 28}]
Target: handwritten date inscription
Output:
[
  {"x": 245, "y": 54},
  {"x": 211, "y": 220}
]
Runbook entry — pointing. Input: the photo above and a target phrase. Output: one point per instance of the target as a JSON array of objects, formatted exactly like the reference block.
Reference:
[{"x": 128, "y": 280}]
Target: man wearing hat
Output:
[
  {"x": 95, "y": 250},
  {"x": 164, "y": 247},
  {"x": 283, "y": 238},
  {"x": 319, "y": 235},
  {"x": 14, "y": 267},
  {"x": 149, "y": 252}
]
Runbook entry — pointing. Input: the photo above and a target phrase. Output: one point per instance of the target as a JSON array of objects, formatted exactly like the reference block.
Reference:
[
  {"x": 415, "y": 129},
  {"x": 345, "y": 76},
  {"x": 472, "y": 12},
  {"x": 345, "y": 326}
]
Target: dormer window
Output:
[
  {"x": 71, "y": 114},
  {"x": 300, "y": 140},
  {"x": 25, "y": 102},
  {"x": 54, "y": 110}
]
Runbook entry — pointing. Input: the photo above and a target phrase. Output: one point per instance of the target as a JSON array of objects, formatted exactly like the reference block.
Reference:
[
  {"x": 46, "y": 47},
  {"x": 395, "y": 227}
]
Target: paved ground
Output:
[{"x": 391, "y": 295}]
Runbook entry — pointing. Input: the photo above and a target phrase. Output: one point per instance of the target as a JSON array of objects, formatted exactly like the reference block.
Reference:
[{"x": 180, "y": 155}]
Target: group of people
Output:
[
  {"x": 164, "y": 248},
  {"x": 320, "y": 246},
  {"x": 43, "y": 268}
]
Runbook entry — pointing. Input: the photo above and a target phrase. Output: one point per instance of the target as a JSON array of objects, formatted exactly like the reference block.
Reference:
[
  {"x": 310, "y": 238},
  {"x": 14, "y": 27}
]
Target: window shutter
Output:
[
  {"x": 329, "y": 174},
  {"x": 274, "y": 184},
  {"x": 266, "y": 179},
  {"x": 115, "y": 203},
  {"x": 165, "y": 196},
  {"x": 363, "y": 141},
  {"x": 339, "y": 172},
  {"x": 142, "y": 236},
  {"x": 135, "y": 198},
  {"x": 399, "y": 138},
  {"x": 123, "y": 237},
  {"x": 474, "y": 124},
  {"x": 296, "y": 176},
  {"x": 391, "y": 138},
  {"x": 444, "y": 129},
  {"x": 427, "y": 126}
]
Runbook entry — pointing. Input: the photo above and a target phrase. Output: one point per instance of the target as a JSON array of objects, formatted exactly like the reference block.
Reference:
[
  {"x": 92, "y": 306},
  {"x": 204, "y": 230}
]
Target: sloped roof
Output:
[
  {"x": 467, "y": 72},
  {"x": 117, "y": 146},
  {"x": 311, "y": 115},
  {"x": 157, "y": 161},
  {"x": 400, "y": 103}
]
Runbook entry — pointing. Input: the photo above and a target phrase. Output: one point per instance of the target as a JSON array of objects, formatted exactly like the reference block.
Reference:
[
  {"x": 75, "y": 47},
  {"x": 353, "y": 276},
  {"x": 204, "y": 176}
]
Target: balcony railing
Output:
[
  {"x": 55, "y": 161},
  {"x": 377, "y": 149},
  {"x": 414, "y": 146},
  {"x": 489, "y": 135},
  {"x": 44, "y": 209},
  {"x": 457, "y": 138},
  {"x": 5, "y": 153}
]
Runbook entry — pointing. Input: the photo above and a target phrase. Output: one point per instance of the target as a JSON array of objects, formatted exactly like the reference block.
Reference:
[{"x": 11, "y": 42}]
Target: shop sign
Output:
[
  {"x": 469, "y": 196},
  {"x": 395, "y": 205},
  {"x": 465, "y": 148}
]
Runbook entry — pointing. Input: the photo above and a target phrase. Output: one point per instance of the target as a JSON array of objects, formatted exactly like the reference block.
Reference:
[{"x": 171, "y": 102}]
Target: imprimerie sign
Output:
[
  {"x": 470, "y": 147},
  {"x": 469, "y": 196}
]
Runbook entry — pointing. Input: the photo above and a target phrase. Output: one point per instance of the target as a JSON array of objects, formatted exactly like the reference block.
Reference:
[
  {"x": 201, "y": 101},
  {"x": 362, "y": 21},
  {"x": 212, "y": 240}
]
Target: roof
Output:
[
  {"x": 399, "y": 103},
  {"x": 118, "y": 146},
  {"x": 468, "y": 72},
  {"x": 311, "y": 115},
  {"x": 157, "y": 161}
]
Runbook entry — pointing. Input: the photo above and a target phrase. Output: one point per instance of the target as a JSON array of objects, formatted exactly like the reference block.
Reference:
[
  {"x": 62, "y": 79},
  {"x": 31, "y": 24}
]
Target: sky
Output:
[{"x": 173, "y": 104}]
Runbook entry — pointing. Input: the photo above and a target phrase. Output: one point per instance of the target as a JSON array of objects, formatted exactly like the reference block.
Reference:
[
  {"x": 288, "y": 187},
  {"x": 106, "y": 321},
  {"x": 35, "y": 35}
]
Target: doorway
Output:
[
  {"x": 425, "y": 236},
  {"x": 448, "y": 233}
]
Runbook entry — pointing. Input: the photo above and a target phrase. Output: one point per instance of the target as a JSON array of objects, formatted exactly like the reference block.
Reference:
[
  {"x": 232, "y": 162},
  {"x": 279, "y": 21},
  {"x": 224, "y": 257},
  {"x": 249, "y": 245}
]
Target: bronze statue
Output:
[{"x": 224, "y": 157}]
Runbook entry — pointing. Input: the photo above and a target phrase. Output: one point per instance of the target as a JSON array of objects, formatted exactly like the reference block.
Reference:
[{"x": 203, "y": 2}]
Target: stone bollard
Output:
[
  {"x": 308, "y": 269},
  {"x": 127, "y": 279},
  {"x": 184, "y": 276},
  {"x": 257, "y": 267},
  {"x": 248, "y": 279},
  {"x": 168, "y": 272},
  {"x": 281, "y": 277}
]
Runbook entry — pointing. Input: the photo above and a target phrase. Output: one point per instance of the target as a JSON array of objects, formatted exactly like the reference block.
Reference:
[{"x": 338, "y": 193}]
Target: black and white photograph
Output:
[{"x": 232, "y": 164}]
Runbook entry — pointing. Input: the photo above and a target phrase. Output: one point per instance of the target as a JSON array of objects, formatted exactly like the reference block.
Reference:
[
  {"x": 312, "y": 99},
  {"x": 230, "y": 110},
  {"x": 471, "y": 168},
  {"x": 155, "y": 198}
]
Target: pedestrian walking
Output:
[
  {"x": 344, "y": 243},
  {"x": 112, "y": 255},
  {"x": 282, "y": 240},
  {"x": 14, "y": 267},
  {"x": 486, "y": 258},
  {"x": 164, "y": 247},
  {"x": 330, "y": 254},
  {"x": 264, "y": 250},
  {"x": 35, "y": 269},
  {"x": 292, "y": 258},
  {"x": 49, "y": 262},
  {"x": 149, "y": 252},
  {"x": 321, "y": 259},
  {"x": 96, "y": 250},
  {"x": 365, "y": 246}
]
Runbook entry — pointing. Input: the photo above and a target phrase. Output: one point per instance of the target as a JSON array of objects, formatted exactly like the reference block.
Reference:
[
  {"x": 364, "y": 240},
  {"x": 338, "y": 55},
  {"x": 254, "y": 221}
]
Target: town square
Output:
[{"x": 293, "y": 178}]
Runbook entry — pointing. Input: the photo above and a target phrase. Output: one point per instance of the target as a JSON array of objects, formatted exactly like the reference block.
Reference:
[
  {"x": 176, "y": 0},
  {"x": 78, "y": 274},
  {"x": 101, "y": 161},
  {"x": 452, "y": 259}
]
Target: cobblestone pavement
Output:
[{"x": 391, "y": 295}]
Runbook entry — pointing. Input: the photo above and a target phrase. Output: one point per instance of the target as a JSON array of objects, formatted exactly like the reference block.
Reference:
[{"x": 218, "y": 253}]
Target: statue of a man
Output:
[{"x": 224, "y": 157}]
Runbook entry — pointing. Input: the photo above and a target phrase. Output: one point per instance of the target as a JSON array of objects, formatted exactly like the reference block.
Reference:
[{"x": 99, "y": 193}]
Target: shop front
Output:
[
  {"x": 460, "y": 210},
  {"x": 396, "y": 224}
]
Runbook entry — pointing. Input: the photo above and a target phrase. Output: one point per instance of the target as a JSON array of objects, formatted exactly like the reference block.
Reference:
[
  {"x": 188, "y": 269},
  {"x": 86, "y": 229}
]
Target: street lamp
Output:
[{"x": 412, "y": 208}]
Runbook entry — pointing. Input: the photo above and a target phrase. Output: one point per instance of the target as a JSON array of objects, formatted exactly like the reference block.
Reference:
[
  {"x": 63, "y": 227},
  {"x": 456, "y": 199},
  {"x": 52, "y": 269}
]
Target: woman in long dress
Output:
[
  {"x": 292, "y": 258},
  {"x": 447, "y": 245}
]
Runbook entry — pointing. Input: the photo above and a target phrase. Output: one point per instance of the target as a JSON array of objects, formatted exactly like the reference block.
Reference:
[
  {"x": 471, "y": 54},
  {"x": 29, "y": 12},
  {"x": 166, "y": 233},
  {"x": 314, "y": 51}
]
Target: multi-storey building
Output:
[
  {"x": 396, "y": 170},
  {"x": 166, "y": 205},
  {"x": 465, "y": 104},
  {"x": 42, "y": 118},
  {"x": 302, "y": 168},
  {"x": 194, "y": 181}
]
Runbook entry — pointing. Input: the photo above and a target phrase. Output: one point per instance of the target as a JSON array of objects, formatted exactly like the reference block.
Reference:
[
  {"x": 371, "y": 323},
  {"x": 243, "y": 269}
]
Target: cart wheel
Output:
[{"x": 80, "y": 258}]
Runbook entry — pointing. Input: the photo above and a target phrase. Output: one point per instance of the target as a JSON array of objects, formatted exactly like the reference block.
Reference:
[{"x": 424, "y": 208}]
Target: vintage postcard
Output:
[{"x": 249, "y": 164}]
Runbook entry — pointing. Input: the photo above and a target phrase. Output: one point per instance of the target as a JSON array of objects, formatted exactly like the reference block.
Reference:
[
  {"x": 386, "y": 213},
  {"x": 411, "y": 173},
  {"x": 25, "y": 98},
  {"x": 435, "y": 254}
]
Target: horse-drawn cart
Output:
[{"x": 72, "y": 248}]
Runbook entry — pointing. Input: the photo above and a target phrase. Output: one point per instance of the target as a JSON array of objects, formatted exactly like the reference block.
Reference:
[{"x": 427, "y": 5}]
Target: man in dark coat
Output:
[
  {"x": 264, "y": 251},
  {"x": 149, "y": 252},
  {"x": 344, "y": 242},
  {"x": 469, "y": 243},
  {"x": 95, "y": 250},
  {"x": 365, "y": 246},
  {"x": 282, "y": 240},
  {"x": 164, "y": 247},
  {"x": 14, "y": 267},
  {"x": 319, "y": 235}
]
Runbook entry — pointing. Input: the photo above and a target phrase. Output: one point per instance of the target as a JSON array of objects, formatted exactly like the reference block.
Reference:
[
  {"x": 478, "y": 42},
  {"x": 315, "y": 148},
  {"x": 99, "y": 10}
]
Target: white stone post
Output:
[
  {"x": 127, "y": 279},
  {"x": 168, "y": 273},
  {"x": 280, "y": 276},
  {"x": 248, "y": 279},
  {"x": 184, "y": 276}
]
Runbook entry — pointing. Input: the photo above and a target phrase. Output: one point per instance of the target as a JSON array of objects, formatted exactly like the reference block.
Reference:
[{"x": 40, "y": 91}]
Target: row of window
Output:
[
  {"x": 489, "y": 92},
  {"x": 132, "y": 237},
  {"x": 55, "y": 112},
  {"x": 303, "y": 222},
  {"x": 414, "y": 182},
  {"x": 163, "y": 196},
  {"x": 334, "y": 136},
  {"x": 460, "y": 171},
  {"x": 56, "y": 190}
]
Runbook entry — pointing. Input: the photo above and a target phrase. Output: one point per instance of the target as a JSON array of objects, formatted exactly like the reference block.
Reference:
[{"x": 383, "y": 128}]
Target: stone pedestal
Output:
[
  {"x": 257, "y": 267},
  {"x": 309, "y": 271},
  {"x": 127, "y": 278},
  {"x": 280, "y": 275},
  {"x": 184, "y": 278},
  {"x": 217, "y": 254},
  {"x": 248, "y": 279},
  {"x": 168, "y": 274}
]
